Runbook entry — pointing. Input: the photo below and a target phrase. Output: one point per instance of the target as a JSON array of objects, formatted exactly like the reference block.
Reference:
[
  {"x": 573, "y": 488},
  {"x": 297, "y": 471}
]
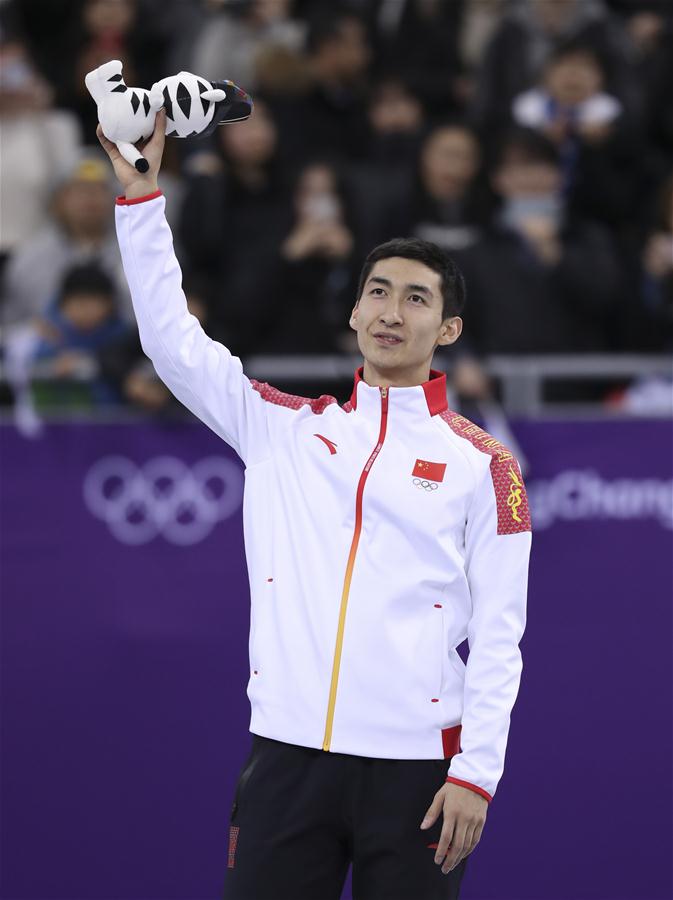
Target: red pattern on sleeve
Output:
[
  {"x": 510, "y": 492},
  {"x": 280, "y": 398}
]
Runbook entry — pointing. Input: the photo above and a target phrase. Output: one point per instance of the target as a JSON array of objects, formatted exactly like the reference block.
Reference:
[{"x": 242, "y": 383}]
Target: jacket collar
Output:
[{"x": 430, "y": 396}]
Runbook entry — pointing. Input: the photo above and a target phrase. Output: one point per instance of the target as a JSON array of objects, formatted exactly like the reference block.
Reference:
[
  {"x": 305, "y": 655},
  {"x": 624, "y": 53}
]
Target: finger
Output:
[
  {"x": 470, "y": 841},
  {"x": 445, "y": 839},
  {"x": 467, "y": 848},
  {"x": 101, "y": 137},
  {"x": 456, "y": 851},
  {"x": 477, "y": 833},
  {"x": 432, "y": 813},
  {"x": 108, "y": 146}
]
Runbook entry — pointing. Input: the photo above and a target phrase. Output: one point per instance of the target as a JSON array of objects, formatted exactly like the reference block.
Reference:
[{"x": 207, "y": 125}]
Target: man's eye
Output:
[
  {"x": 417, "y": 297},
  {"x": 374, "y": 290}
]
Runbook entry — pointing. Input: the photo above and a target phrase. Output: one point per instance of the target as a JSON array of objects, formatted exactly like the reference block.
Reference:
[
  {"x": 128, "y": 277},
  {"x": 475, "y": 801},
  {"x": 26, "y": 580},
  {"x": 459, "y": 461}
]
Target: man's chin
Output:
[{"x": 387, "y": 362}]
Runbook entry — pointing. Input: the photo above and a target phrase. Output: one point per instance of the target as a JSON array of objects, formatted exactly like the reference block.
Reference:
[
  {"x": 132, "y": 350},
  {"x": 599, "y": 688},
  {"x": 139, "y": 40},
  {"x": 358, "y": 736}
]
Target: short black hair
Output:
[
  {"x": 525, "y": 145},
  {"x": 431, "y": 255},
  {"x": 575, "y": 47},
  {"x": 88, "y": 278},
  {"x": 325, "y": 26}
]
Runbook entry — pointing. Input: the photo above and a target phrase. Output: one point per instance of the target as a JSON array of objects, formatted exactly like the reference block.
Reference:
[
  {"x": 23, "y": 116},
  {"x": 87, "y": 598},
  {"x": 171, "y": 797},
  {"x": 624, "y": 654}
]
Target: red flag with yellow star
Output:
[{"x": 430, "y": 470}]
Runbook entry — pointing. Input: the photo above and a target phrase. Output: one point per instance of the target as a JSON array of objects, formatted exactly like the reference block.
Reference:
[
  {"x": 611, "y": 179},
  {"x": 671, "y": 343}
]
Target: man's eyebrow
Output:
[{"x": 421, "y": 288}]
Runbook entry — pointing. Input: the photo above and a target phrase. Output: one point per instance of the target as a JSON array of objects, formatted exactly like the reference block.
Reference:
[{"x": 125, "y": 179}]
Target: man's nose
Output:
[{"x": 391, "y": 313}]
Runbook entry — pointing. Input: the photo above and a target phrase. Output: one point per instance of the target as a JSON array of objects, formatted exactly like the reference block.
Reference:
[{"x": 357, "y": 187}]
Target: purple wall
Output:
[{"x": 124, "y": 654}]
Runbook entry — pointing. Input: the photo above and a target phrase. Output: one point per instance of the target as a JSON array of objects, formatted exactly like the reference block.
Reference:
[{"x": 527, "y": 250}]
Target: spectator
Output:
[
  {"x": 81, "y": 320},
  {"x": 37, "y": 144},
  {"x": 449, "y": 201},
  {"x": 315, "y": 278},
  {"x": 527, "y": 34},
  {"x": 647, "y": 31},
  {"x": 601, "y": 158},
  {"x": 395, "y": 117},
  {"x": 235, "y": 213},
  {"x": 480, "y": 20},
  {"x": 647, "y": 314},
  {"x": 81, "y": 229},
  {"x": 380, "y": 183},
  {"x": 100, "y": 31},
  {"x": 539, "y": 280},
  {"x": 331, "y": 117},
  {"x": 418, "y": 40},
  {"x": 124, "y": 364},
  {"x": 281, "y": 74},
  {"x": 232, "y": 39},
  {"x": 569, "y": 104}
]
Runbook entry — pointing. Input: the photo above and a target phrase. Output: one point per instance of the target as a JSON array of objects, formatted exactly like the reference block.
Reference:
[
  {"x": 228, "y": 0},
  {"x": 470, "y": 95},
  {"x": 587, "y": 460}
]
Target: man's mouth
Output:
[{"x": 389, "y": 339}]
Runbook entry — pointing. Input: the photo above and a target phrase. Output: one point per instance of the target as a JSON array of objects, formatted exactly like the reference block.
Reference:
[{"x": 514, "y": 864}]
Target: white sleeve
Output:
[
  {"x": 200, "y": 372},
  {"x": 498, "y": 541}
]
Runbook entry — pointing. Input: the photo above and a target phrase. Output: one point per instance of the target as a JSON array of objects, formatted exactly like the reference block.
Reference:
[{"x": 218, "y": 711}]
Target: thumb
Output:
[{"x": 433, "y": 811}]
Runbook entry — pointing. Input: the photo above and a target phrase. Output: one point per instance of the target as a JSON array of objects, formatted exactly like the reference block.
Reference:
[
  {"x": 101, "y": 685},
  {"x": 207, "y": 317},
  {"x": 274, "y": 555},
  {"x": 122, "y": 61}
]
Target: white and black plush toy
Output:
[
  {"x": 126, "y": 115},
  {"x": 194, "y": 107}
]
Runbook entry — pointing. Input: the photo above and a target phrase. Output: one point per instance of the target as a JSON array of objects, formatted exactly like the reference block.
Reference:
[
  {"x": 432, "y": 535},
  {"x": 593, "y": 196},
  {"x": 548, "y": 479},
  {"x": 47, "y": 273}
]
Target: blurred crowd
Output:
[{"x": 531, "y": 138}]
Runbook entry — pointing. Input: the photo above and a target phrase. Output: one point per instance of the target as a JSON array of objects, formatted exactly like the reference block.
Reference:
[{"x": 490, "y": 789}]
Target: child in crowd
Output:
[
  {"x": 81, "y": 320},
  {"x": 569, "y": 104}
]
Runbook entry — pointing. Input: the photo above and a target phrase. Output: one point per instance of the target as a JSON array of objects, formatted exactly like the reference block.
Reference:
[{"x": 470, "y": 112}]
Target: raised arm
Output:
[{"x": 200, "y": 372}]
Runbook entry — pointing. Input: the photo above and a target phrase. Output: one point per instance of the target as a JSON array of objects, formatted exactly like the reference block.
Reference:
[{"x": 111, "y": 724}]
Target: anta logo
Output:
[
  {"x": 514, "y": 500},
  {"x": 427, "y": 475},
  {"x": 332, "y": 446}
]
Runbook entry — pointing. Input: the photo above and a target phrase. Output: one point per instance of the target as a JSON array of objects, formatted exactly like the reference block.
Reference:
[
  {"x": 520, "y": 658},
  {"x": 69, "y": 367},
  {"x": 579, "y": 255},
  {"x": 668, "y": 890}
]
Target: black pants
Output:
[{"x": 301, "y": 815}]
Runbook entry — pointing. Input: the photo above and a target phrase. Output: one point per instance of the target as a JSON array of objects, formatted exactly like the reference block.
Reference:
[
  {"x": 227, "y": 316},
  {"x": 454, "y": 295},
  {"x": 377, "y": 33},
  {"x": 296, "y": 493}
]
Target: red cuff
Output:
[
  {"x": 122, "y": 201},
  {"x": 472, "y": 787}
]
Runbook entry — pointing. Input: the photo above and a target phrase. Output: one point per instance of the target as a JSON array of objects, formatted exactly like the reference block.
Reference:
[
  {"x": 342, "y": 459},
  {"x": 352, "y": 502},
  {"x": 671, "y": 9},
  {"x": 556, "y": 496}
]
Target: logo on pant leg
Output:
[{"x": 233, "y": 841}]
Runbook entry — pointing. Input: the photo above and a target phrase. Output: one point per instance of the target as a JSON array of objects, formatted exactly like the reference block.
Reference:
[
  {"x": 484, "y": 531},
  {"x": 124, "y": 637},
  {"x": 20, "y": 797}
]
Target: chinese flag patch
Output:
[{"x": 430, "y": 470}]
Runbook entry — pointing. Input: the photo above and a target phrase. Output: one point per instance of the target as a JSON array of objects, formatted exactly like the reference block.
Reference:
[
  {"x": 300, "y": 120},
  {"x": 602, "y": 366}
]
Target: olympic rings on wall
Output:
[{"x": 162, "y": 497}]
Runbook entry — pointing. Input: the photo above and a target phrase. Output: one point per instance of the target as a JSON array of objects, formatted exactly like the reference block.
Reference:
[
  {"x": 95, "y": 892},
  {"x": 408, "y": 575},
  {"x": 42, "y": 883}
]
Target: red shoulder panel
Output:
[
  {"x": 510, "y": 493},
  {"x": 273, "y": 395}
]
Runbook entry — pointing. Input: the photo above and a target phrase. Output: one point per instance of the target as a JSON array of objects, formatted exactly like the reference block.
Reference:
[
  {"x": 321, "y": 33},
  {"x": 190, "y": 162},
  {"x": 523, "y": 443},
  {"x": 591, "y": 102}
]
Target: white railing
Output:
[{"x": 521, "y": 379}]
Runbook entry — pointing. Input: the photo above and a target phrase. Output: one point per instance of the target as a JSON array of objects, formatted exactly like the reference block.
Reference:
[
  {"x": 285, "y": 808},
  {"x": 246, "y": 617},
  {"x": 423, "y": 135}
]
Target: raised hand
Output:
[{"x": 133, "y": 182}]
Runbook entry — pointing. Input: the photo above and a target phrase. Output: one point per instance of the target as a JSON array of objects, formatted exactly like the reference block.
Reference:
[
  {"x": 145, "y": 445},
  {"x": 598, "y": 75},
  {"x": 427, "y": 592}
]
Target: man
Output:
[
  {"x": 379, "y": 535},
  {"x": 542, "y": 279},
  {"x": 78, "y": 230}
]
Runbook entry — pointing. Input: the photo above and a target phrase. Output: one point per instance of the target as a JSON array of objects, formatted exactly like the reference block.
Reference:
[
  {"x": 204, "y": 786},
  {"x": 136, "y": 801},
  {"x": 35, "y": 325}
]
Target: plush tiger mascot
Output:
[{"x": 194, "y": 107}]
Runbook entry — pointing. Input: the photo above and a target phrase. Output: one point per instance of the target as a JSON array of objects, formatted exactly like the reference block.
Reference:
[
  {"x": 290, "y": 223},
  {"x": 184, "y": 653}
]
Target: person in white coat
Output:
[{"x": 379, "y": 534}]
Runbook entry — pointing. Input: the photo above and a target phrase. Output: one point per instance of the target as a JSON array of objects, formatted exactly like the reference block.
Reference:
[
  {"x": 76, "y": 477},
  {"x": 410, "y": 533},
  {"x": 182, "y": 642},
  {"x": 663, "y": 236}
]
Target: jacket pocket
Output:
[
  {"x": 439, "y": 653},
  {"x": 457, "y": 664}
]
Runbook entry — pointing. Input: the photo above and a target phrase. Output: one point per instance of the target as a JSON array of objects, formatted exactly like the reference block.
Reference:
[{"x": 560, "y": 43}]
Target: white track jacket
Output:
[{"x": 379, "y": 535}]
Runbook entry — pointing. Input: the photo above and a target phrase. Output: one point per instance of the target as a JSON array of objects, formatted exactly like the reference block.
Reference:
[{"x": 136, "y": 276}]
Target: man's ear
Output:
[
  {"x": 354, "y": 318},
  {"x": 452, "y": 331}
]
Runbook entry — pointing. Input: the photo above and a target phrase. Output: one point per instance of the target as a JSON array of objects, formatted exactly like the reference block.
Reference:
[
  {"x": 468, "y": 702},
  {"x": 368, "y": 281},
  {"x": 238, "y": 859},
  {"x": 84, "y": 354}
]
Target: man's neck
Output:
[{"x": 395, "y": 378}]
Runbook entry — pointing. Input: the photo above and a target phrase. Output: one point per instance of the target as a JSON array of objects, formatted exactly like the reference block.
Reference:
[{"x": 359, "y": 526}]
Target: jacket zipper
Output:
[{"x": 349, "y": 569}]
